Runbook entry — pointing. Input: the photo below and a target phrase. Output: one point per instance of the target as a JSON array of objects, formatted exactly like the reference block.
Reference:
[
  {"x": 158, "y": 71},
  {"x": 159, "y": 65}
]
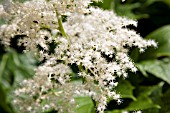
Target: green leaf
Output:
[
  {"x": 107, "y": 4},
  {"x": 127, "y": 10},
  {"x": 165, "y": 104},
  {"x": 148, "y": 90},
  {"x": 167, "y": 2},
  {"x": 3, "y": 101},
  {"x": 159, "y": 68},
  {"x": 115, "y": 111},
  {"x": 85, "y": 105},
  {"x": 143, "y": 100},
  {"x": 125, "y": 89},
  {"x": 134, "y": 54},
  {"x": 162, "y": 36},
  {"x": 149, "y": 2},
  {"x": 14, "y": 66},
  {"x": 3, "y": 95}
]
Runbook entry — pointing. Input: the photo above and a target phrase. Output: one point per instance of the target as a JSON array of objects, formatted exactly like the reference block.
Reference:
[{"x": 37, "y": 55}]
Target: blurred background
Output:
[{"x": 147, "y": 90}]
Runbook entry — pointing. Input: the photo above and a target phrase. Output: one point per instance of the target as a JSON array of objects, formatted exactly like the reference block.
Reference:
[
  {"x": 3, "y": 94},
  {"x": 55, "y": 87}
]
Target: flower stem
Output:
[{"x": 61, "y": 28}]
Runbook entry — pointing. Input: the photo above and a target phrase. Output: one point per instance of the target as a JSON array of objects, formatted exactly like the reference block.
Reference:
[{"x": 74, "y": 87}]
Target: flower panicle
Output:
[{"x": 64, "y": 34}]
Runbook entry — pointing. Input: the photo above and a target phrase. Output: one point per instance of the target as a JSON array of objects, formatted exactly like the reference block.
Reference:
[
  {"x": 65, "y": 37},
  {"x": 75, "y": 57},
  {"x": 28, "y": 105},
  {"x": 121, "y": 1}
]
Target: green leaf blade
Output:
[
  {"x": 159, "y": 68},
  {"x": 162, "y": 37},
  {"x": 125, "y": 89},
  {"x": 85, "y": 105}
]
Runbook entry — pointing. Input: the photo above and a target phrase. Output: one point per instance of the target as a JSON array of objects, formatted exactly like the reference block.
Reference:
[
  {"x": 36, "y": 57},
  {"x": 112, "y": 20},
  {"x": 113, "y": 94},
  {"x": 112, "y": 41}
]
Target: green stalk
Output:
[{"x": 61, "y": 28}]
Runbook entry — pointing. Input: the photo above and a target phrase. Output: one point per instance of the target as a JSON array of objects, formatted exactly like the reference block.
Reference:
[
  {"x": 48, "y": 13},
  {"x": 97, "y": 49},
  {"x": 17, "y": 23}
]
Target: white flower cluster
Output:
[
  {"x": 96, "y": 41},
  {"x": 1, "y": 10},
  {"x": 3, "y": 14}
]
